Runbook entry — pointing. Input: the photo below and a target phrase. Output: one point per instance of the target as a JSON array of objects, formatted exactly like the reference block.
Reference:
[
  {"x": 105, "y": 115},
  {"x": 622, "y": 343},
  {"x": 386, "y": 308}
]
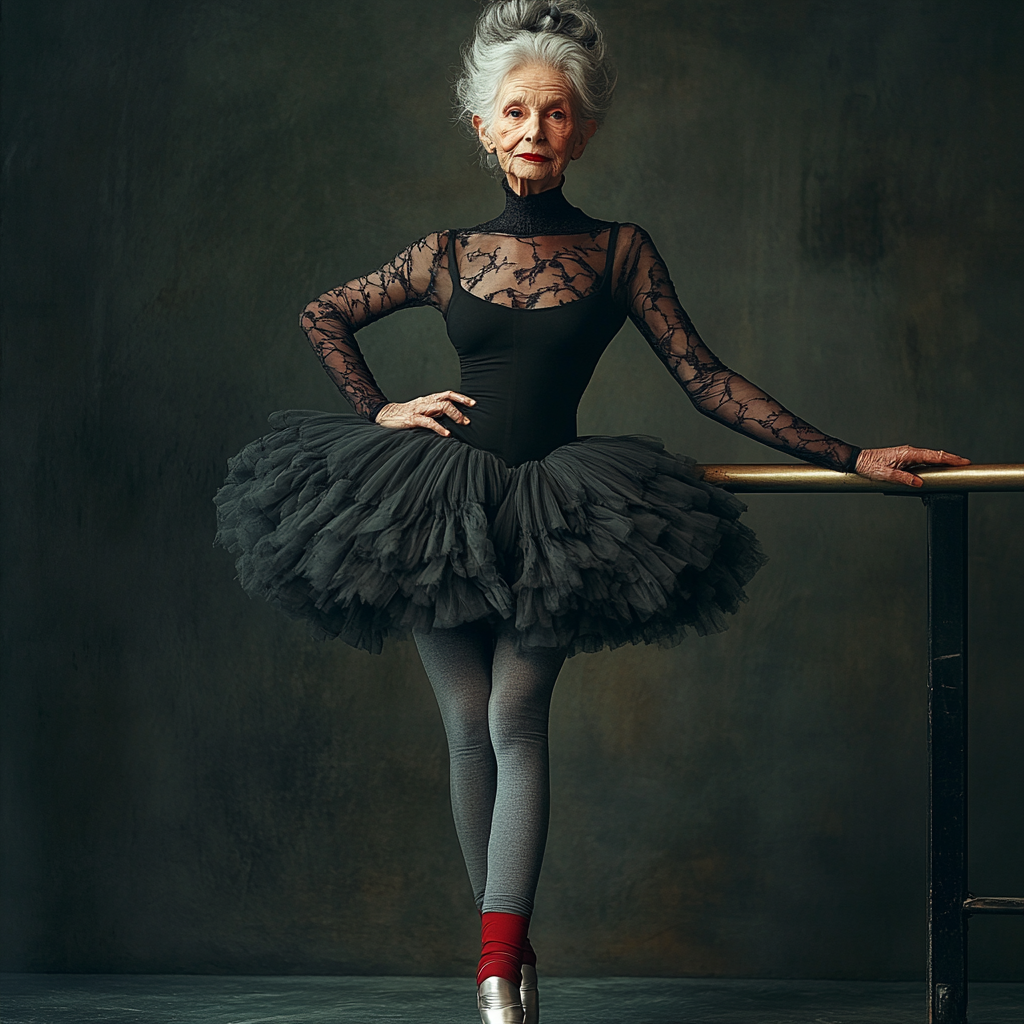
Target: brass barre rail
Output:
[{"x": 786, "y": 479}]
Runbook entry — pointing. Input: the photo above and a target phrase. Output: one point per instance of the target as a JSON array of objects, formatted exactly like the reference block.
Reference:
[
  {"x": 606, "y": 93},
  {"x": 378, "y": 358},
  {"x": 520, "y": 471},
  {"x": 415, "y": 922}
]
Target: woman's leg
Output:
[
  {"x": 458, "y": 664},
  {"x": 522, "y": 682},
  {"x": 494, "y": 702}
]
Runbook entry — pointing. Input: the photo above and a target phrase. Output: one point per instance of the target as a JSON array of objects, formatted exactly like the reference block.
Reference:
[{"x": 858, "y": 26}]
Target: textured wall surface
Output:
[{"x": 190, "y": 784}]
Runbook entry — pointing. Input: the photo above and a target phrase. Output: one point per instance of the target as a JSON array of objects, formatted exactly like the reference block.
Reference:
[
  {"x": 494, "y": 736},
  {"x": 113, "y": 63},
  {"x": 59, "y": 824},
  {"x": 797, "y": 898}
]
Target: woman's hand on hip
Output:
[
  {"x": 423, "y": 412},
  {"x": 891, "y": 464}
]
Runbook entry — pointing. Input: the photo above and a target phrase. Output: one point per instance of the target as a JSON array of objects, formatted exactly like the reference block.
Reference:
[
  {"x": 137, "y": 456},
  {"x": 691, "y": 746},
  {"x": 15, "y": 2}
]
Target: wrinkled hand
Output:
[
  {"x": 423, "y": 412},
  {"x": 889, "y": 464}
]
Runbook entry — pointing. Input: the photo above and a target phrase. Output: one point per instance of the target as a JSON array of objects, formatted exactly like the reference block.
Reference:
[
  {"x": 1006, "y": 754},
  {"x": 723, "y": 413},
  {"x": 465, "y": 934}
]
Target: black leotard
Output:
[{"x": 527, "y": 368}]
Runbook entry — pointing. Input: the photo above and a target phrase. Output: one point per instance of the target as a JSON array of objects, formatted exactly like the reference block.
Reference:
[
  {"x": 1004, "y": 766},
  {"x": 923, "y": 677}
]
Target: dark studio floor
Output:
[{"x": 190, "y": 999}]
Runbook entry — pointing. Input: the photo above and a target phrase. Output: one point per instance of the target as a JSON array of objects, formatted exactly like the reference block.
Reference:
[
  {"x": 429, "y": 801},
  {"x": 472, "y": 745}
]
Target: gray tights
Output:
[{"x": 494, "y": 703}]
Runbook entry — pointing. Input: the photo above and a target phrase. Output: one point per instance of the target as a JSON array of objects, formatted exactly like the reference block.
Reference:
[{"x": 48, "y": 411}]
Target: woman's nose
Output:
[{"x": 534, "y": 131}]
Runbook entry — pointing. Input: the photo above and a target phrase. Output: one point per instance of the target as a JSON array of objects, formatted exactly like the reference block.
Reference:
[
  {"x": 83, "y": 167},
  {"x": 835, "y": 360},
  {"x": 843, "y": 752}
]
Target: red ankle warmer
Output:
[
  {"x": 502, "y": 937},
  {"x": 529, "y": 957}
]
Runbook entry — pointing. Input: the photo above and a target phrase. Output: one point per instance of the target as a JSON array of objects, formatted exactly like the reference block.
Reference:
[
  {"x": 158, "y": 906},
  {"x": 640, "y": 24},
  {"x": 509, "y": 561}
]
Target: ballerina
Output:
[{"x": 475, "y": 520}]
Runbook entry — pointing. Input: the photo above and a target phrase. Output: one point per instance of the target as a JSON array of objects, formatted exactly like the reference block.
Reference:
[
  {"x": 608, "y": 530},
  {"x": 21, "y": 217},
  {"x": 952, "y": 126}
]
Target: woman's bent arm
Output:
[{"x": 330, "y": 321}]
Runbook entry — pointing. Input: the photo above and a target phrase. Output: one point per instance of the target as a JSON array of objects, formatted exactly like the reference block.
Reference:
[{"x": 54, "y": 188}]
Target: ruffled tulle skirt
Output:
[{"x": 367, "y": 533}]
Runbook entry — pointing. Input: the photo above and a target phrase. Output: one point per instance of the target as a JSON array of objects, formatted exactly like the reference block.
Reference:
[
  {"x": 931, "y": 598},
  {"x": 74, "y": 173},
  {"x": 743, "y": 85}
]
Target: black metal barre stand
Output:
[{"x": 945, "y": 492}]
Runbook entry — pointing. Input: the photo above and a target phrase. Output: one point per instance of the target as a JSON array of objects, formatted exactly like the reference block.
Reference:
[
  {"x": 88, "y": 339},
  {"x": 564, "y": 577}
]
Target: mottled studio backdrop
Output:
[{"x": 190, "y": 784}]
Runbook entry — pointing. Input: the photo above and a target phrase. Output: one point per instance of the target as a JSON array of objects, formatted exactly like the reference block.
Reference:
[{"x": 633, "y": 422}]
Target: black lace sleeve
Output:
[
  {"x": 330, "y": 321},
  {"x": 712, "y": 387}
]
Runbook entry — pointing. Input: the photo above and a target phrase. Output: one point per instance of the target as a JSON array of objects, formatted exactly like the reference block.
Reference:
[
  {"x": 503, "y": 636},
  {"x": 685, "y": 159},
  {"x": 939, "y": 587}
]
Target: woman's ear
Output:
[
  {"x": 481, "y": 132},
  {"x": 587, "y": 130}
]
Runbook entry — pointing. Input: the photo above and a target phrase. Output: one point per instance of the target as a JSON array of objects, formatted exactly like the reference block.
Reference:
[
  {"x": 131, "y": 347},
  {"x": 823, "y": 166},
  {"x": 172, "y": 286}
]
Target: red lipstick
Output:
[{"x": 534, "y": 158}]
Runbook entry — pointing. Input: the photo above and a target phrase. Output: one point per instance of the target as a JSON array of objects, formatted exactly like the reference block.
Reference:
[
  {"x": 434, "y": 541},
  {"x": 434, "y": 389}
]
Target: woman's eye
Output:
[
  {"x": 558, "y": 115},
  {"x": 515, "y": 113}
]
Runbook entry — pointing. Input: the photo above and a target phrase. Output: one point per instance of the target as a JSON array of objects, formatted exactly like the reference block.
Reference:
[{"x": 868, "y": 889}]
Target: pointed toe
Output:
[{"x": 499, "y": 1002}]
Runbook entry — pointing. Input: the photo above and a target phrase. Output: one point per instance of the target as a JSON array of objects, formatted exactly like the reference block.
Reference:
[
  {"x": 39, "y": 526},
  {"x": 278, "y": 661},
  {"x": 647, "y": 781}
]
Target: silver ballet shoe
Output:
[
  {"x": 529, "y": 995},
  {"x": 497, "y": 999}
]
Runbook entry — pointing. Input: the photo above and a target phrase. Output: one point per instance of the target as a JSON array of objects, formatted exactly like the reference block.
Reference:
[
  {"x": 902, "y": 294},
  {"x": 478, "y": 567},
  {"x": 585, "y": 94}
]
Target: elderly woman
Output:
[{"x": 476, "y": 519}]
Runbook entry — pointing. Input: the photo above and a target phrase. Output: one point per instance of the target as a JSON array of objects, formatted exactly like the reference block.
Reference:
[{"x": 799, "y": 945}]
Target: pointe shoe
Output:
[
  {"x": 497, "y": 999},
  {"x": 529, "y": 995}
]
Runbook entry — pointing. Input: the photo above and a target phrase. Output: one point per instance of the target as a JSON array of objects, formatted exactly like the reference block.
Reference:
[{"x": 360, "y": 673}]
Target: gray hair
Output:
[{"x": 512, "y": 33}]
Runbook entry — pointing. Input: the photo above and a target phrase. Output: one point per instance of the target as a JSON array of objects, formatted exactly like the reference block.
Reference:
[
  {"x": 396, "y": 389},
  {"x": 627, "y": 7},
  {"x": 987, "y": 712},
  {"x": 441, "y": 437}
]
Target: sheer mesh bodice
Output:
[{"x": 539, "y": 254}]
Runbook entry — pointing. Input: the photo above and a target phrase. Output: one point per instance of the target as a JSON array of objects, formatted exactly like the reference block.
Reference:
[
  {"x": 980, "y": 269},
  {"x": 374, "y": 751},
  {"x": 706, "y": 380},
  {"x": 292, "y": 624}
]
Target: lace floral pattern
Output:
[{"x": 531, "y": 273}]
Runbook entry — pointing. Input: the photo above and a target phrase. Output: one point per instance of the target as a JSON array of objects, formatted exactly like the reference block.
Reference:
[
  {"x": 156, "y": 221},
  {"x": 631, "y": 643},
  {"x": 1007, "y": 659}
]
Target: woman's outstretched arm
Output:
[{"x": 727, "y": 396}]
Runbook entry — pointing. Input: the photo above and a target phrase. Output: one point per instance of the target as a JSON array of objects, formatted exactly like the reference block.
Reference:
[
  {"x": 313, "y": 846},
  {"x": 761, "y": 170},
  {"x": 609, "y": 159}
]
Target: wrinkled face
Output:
[{"x": 534, "y": 131}]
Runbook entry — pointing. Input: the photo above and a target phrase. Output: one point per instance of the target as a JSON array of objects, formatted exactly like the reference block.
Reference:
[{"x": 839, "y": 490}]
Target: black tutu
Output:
[{"x": 368, "y": 532}]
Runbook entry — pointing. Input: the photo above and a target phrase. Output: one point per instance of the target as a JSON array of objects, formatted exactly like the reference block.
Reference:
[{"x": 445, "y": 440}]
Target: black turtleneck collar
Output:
[{"x": 546, "y": 213}]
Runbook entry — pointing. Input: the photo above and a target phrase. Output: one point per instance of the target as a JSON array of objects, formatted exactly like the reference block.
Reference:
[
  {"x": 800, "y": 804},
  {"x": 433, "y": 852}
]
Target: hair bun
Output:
[
  {"x": 569, "y": 24},
  {"x": 550, "y": 19}
]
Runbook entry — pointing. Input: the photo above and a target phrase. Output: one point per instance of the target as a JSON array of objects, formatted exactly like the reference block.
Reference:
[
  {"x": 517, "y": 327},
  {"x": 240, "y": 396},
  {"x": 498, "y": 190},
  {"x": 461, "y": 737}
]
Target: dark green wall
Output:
[{"x": 190, "y": 784}]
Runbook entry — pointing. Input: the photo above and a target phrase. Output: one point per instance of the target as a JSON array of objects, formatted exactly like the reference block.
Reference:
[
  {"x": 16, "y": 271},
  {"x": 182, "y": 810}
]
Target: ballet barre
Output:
[{"x": 944, "y": 492}]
